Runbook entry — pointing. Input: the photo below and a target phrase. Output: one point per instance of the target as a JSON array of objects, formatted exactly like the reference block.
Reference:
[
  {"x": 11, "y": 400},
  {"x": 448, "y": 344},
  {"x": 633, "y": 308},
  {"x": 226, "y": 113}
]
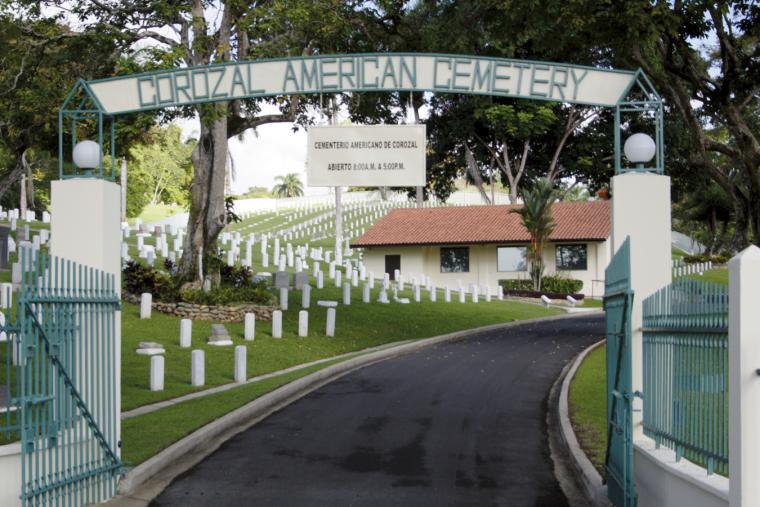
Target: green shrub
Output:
[
  {"x": 561, "y": 284},
  {"x": 553, "y": 283},
  {"x": 515, "y": 284},
  {"x": 139, "y": 278},
  {"x": 253, "y": 294},
  {"x": 715, "y": 259},
  {"x": 236, "y": 276}
]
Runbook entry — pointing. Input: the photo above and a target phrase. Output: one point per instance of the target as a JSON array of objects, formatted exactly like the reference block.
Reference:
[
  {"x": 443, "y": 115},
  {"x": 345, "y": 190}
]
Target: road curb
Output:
[
  {"x": 147, "y": 480},
  {"x": 589, "y": 479}
]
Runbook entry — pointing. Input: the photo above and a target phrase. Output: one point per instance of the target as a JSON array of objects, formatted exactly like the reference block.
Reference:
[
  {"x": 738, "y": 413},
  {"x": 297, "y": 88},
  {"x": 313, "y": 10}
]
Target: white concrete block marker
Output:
[
  {"x": 146, "y": 300},
  {"x": 197, "y": 368},
  {"x": 347, "y": 294},
  {"x": 249, "y": 326},
  {"x": 185, "y": 333},
  {"x": 157, "y": 373},
  {"x": 545, "y": 300},
  {"x": 330, "y": 327},
  {"x": 277, "y": 324},
  {"x": 303, "y": 323},
  {"x": 284, "y": 298},
  {"x": 240, "y": 364},
  {"x": 571, "y": 300},
  {"x": 6, "y": 295}
]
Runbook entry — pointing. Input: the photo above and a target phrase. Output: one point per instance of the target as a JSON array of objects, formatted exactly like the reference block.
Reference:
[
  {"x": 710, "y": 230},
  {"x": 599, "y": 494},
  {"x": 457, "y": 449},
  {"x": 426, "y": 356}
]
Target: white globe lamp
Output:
[
  {"x": 639, "y": 149},
  {"x": 87, "y": 154}
]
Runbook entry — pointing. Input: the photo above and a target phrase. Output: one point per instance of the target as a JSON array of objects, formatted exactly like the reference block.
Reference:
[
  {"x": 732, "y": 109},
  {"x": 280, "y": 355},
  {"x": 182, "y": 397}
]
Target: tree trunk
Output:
[
  {"x": 207, "y": 211},
  {"x": 740, "y": 238},
  {"x": 18, "y": 170}
]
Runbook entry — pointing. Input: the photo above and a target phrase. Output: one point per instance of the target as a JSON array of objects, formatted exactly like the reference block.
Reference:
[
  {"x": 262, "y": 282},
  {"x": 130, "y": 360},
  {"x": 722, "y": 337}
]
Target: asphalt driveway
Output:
[{"x": 462, "y": 423}]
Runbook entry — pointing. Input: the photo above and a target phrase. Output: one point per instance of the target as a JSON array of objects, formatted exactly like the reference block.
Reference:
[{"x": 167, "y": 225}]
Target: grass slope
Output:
[
  {"x": 358, "y": 326},
  {"x": 588, "y": 406}
]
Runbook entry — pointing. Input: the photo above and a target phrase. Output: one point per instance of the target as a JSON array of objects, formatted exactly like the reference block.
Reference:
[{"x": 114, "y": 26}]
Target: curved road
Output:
[{"x": 463, "y": 423}]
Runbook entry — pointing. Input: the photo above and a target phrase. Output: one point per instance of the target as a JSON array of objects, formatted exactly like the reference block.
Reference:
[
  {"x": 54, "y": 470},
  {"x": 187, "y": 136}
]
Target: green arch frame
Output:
[{"x": 105, "y": 99}]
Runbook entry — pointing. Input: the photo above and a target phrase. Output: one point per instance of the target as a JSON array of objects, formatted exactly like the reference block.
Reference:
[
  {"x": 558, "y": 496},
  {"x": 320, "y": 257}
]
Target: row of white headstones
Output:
[{"x": 318, "y": 227}]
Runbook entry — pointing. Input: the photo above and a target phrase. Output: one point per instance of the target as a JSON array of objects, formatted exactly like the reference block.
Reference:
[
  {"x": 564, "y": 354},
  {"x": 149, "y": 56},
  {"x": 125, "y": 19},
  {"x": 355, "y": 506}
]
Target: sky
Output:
[{"x": 272, "y": 150}]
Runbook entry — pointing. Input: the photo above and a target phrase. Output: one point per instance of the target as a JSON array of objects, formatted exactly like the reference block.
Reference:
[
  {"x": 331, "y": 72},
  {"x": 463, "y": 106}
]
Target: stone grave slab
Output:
[
  {"x": 150, "y": 349},
  {"x": 219, "y": 336}
]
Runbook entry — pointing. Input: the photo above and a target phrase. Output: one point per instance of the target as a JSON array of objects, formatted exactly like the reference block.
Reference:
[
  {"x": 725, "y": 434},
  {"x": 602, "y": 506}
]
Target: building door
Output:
[{"x": 392, "y": 263}]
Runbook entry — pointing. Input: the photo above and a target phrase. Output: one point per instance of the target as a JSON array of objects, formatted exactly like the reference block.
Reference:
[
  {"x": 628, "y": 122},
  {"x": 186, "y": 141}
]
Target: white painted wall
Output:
[
  {"x": 10, "y": 475},
  {"x": 661, "y": 482},
  {"x": 418, "y": 260}
]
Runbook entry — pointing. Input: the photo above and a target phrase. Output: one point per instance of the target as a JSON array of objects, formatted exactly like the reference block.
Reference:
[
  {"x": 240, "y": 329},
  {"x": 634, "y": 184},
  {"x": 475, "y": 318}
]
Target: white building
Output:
[{"x": 484, "y": 244}]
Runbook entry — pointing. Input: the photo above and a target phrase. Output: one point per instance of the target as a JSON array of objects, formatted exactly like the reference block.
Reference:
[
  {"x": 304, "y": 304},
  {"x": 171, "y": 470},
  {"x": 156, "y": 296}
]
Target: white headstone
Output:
[
  {"x": 338, "y": 276},
  {"x": 500, "y": 292},
  {"x": 447, "y": 294},
  {"x": 157, "y": 373},
  {"x": 303, "y": 323},
  {"x": 462, "y": 295},
  {"x": 185, "y": 333},
  {"x": 365, "y": 293},
  {"x": 305, "y": 296},
  {"x": 346, "y": 293},
  {"x": 146, "y": 300},
  {"x": 249, "y": 330},
  {"x": 6, "y": 295},
  {"x": 320, "y": 280},
  {"x": 545, "y": 300},
  {"x": 197, "y": 368},
  {"x": 284, "y": 298},
  {"x": 240, "y": 364},
  {"x": 433, "y": 294},
  {"x": 277, "y": 324},
  {"x": 330, "y": 326}
]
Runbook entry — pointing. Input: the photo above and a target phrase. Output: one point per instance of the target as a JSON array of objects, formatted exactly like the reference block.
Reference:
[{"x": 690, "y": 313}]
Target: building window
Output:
[
  {"x": 512, "y": 258},
  {"x": 571, "y": 257},
  {"x": 455, "y": 259}
]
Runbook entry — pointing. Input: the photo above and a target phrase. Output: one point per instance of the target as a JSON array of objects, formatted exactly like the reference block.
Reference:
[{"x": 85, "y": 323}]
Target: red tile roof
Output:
[{"x": 574, "y": 221}]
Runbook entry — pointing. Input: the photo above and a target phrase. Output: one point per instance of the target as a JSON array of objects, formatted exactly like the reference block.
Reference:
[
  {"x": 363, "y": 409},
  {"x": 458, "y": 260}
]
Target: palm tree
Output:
[
  {"x": 536, "y": 215},
  {"x": 288, "y": 186}
]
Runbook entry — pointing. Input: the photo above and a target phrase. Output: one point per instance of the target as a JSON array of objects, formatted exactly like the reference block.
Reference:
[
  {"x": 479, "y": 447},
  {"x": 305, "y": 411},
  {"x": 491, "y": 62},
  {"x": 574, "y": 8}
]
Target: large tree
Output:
[
  {"x": 198, "y": 32},
  {"x": 704, "y": 57}
]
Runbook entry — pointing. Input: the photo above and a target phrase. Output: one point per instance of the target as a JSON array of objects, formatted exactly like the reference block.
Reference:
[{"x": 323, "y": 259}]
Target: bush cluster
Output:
[
  {"x": 227, "y": 295},
  {"x": 554, "y": 283},
  {"x": 236, "y": 286},
  {"x": 139, "y": 278},
  {"x": 716, "y": 259}
]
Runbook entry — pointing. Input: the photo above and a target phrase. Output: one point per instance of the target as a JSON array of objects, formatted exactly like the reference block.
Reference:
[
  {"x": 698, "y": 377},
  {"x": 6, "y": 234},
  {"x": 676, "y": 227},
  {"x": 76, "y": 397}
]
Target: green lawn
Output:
[
  {"x": 676, "y": 253},
  {"x": 358, "y": 326},
  {"x": 153, "y": 212},
  {"x": 145, "y": 435},
  {"x": 588, "y": 406},
  {"x": 592, "y": 303},
  {"x": 715, "y": 275}
]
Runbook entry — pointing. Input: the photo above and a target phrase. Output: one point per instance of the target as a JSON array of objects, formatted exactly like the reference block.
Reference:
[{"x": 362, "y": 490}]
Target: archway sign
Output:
[{"x": 103, "y": 100}]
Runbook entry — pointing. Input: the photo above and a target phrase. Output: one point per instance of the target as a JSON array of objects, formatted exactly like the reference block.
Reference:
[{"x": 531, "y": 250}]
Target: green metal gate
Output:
[
  {"x": 618, "y": 300},
  {"x": 66, "y": 388}
]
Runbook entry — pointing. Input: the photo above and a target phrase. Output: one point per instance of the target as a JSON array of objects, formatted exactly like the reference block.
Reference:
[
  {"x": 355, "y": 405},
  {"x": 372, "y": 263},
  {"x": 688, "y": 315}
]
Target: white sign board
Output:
[{"x": 366, "y": 156}]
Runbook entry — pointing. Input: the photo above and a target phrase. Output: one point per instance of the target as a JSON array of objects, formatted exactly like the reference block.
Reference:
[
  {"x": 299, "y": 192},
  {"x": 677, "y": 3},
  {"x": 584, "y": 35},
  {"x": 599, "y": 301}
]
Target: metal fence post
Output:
[{"x": 744, "y": 381}]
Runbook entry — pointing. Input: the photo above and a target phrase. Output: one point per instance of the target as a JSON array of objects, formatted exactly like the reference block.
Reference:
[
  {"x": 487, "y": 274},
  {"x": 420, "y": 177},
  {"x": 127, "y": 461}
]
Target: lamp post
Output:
[
  {"x": 87, "y": 155},
  {"x": 639, "y": 149}
]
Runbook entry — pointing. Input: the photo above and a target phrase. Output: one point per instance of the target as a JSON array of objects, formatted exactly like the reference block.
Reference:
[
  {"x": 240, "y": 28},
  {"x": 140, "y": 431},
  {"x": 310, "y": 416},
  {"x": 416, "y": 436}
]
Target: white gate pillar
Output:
[
  {"x": 743, "y": 379},
  {"x": 85, "y": 227},
  {"x": 641, "y": 210}
]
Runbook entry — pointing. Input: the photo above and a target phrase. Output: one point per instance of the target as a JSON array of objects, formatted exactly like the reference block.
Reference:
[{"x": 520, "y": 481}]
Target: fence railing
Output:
[{"x": 686, "y": 371}]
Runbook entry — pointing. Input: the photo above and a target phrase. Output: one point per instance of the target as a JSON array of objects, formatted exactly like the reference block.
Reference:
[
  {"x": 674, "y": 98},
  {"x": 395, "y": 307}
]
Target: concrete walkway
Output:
[{"x": 463, "y": 423}]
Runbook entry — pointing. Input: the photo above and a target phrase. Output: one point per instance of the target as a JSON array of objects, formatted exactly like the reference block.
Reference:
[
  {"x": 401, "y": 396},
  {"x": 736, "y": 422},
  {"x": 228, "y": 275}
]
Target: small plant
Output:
[
  {"x": 236, "y": 276},
  {"x": 139, "y": 278}
]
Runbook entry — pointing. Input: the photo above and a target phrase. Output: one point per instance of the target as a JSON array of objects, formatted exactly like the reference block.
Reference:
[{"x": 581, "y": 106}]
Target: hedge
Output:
[{"x": 555, "y": 284}]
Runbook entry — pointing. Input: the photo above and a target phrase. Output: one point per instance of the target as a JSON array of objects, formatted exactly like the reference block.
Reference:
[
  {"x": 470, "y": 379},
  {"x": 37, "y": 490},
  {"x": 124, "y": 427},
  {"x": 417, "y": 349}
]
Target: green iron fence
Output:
[
  {"x": 686, "y": 371},
  {"x": 60, "y": 382}
]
